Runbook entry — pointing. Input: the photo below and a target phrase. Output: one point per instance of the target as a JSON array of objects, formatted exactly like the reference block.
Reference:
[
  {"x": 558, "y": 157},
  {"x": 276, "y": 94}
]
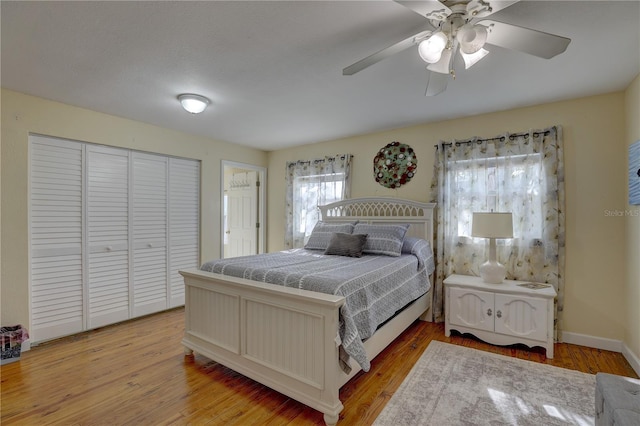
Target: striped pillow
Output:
[
  {"x": 321, "y": 234},
  {"x": 382, "y": 239}
]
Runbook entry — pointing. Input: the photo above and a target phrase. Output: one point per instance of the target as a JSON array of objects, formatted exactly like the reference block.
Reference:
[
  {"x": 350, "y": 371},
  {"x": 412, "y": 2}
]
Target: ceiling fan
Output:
[{"x": 458, "y": 26}]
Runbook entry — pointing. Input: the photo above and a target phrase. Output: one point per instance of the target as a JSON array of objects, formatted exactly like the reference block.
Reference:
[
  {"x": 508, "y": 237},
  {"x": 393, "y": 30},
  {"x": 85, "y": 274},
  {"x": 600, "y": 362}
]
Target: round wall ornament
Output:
[{"x": 394, "y": 165}]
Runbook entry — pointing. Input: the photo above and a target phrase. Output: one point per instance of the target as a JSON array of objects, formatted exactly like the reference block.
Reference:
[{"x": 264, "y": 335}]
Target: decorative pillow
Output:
[
  {"x": 409, "y": 243},
  {"x": 382, "y": 239},
  {"x": 321, "y": 234},
  {"x": 422, "y": 250},
  {"x": 346, "y": 244}
]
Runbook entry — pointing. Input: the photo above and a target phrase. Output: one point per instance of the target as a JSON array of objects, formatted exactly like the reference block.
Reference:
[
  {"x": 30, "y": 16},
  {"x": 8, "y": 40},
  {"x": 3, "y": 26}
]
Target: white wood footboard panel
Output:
[{"x": 284, "y": 338}]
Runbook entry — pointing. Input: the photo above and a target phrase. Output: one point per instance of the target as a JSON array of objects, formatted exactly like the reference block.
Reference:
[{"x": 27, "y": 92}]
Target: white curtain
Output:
[
  {"x": 518, "y": 173},
  {"x": 312, "y": 183}
]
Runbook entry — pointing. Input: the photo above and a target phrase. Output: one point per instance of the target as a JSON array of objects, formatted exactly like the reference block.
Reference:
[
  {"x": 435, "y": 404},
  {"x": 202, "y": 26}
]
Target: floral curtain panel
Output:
[
  {"x": 519, "y": 173},
  {"x": 312, "y": 183}
]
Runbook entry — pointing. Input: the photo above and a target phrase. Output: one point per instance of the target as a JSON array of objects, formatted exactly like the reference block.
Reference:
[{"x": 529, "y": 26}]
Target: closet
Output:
[{"x": 110, "y": 229}]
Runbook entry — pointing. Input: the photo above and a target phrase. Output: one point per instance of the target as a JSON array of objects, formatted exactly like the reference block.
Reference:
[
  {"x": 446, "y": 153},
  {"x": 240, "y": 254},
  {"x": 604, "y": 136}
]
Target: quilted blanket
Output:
[{"x": 374, "y": 287}]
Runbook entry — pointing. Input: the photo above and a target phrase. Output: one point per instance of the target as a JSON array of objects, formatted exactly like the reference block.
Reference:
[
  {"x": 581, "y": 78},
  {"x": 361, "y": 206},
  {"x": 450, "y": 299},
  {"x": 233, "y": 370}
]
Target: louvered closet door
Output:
[
  {"x": 108, "y": 235},
  {"x": 56, "y": 238},
  {"x": 149, "y": 233},
  {"x": 184, "y": 214}
]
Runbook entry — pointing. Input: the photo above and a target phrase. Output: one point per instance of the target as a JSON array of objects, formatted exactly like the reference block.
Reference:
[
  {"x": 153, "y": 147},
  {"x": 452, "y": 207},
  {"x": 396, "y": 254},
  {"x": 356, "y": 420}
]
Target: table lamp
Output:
[{"x": 492, "y": 225}]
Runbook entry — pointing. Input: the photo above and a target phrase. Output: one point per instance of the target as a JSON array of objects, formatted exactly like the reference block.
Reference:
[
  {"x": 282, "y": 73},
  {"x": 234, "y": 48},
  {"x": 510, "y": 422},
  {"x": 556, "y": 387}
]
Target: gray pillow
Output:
[
  {"x": 382, "y": 239},
  {"x": 321, "y": 234},
  {"x": 346, "y": 244},
  {"x": 410, "y": 243}
]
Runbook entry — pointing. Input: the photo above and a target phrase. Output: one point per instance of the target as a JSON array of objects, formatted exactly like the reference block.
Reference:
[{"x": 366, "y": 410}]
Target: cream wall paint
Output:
[
  {"x": 594, "y": 136},
  {"x": 23, "y": 114},
  {"x": 601, "y": 274},
  {"x": 632, "y": 336}
]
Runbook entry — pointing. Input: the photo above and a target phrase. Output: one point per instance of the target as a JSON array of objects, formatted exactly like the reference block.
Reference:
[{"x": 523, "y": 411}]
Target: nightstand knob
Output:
[
  {"x": 489, "y": 312},
  {"x": 499, "y": 314}
]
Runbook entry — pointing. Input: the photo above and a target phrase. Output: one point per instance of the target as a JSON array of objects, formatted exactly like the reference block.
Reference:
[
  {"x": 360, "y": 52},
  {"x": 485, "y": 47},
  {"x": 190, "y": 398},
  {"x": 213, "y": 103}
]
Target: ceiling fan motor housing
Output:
[{"x": 467, "y": 9}]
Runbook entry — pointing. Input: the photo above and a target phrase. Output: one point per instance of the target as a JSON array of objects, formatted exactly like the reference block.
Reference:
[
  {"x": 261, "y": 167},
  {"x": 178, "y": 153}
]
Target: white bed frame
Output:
[{"x": 285, "y": 338}]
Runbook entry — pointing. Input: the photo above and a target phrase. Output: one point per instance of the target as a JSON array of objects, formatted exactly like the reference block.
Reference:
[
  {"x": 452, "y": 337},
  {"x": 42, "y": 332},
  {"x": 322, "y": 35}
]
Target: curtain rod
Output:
[
  {"x": 319, "y": 160},
  {"x": 501, "y": 139}
]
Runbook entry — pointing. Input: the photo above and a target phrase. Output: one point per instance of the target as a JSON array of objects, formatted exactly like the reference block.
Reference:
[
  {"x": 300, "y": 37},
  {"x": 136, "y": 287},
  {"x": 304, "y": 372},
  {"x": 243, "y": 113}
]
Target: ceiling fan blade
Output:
[
  {"x": 430, "y": 9},
  {"x": 537, "y": 43},
  {"x": 383, "y": 54},
  {"x": 436, "y": 83}
]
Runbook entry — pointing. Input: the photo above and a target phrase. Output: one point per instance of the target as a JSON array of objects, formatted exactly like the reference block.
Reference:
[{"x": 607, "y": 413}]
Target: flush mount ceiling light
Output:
[{"x": 192, "y": 103}]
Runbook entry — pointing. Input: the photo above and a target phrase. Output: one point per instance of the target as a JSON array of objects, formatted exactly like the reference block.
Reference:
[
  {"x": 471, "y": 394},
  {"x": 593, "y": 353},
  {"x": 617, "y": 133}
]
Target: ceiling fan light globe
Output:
[
  {"x": 443, "y": 65},
  {"x": 430, "y": 57},
  {"x": 470, "y": 59},
  {"x": 471, "y": 38},
  {"x": 430, "y": 50}
]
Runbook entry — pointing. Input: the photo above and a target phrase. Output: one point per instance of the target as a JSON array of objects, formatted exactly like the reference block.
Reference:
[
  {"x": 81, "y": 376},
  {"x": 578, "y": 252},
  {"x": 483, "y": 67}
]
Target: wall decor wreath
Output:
[{"x": 394, "y": 165}]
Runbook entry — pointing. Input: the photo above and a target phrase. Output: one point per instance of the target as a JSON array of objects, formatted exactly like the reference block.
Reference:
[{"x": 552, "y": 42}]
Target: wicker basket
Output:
[{"x": 11, "y": 339}]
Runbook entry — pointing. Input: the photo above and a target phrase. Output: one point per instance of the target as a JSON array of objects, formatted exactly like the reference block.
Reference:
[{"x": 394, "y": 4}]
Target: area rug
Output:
[{"x": 455, "y": 385}]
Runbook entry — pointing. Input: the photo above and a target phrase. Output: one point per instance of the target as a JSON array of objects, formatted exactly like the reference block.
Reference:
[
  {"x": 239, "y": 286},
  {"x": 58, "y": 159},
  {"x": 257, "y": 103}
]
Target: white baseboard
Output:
[
  {"x": 592, "y": 341},
  {"x": 604, "y": 344},
  {"x": 631, "y": 358}
]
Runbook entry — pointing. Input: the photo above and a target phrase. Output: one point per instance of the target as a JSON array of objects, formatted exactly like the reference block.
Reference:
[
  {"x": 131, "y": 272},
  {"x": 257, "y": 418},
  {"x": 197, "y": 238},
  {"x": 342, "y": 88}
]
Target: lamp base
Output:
[{"x": 493, "y": 272}]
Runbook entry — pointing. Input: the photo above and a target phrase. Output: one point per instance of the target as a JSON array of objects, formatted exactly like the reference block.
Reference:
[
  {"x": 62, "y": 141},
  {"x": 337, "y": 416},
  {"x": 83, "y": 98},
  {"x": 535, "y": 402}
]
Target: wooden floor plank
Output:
[{"x": 136, "y": 373}]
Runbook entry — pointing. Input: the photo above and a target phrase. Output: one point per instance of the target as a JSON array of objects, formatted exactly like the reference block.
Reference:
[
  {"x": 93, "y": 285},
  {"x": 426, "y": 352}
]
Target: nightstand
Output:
[{"x": 501, "y": 314}]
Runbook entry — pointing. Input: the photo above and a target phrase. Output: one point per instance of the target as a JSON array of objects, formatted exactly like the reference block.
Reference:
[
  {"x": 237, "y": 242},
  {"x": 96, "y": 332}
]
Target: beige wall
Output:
[
  {"x": 632, "y": 336},
  {"x": 22, "y": 114},
  {"x": 595, "y": 151},
  {"x": 602, "y": 274}
]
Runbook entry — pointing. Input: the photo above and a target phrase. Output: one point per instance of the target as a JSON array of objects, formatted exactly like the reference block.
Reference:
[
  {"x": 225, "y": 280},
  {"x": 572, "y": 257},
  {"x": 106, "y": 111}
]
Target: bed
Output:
[{"x": 288, "y": 338}]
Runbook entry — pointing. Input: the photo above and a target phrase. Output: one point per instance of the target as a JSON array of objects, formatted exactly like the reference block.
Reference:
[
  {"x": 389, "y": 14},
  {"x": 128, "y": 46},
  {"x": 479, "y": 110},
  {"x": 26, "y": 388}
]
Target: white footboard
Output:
[
  {"x": 284, "y": 338},
  {"x": 287, "y": 339}
]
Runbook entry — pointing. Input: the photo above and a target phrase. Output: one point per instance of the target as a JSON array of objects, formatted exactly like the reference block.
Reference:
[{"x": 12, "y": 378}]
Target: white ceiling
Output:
[{"x": 273, "y": 70}]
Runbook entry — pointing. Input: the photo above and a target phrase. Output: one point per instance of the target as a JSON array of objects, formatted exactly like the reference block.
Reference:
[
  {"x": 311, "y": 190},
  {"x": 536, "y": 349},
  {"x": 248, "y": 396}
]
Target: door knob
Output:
[{"x": 489, "y": 312}]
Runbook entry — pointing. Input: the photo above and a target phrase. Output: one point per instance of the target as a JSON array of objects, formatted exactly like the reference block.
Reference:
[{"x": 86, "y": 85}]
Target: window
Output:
[
  {"x": 312, "y": 183},
  {"x": 499, "y": 184},
  {"x": 308, "y": 190},
  {"x": 522, "y": 173}
]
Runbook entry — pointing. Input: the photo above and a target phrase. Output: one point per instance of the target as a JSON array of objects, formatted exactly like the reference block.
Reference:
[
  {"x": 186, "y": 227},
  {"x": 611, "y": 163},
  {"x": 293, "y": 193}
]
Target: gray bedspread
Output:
[{"x": 374, "y": 287}]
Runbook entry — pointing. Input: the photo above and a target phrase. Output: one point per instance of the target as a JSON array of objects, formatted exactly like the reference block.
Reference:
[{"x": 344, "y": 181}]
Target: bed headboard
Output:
[{"x": 384, "y": 210}]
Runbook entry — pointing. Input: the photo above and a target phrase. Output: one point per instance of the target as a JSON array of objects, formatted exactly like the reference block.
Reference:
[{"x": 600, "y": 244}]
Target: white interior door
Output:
[
  {"x": 243, "y": 190},
  {"x": 57, "y": 306},
  {"x": 150, "y": 288},
  {"x": 184, "y": 223},
  {"x": 109, "y": 230},
  {"x": 108, "y": 235},
  {"x": 242, "y": 215}
]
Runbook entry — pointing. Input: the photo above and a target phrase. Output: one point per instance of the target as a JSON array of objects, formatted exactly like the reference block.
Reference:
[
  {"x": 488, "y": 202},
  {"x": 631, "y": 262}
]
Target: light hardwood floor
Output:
[{"x": 135, "y": 373}]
